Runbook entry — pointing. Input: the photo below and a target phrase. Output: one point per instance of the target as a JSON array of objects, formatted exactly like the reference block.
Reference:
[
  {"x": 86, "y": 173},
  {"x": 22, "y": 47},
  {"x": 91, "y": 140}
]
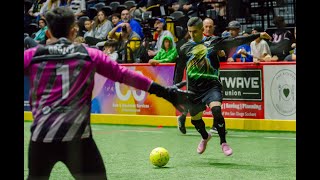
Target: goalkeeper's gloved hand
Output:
[
  {"x": 180, "y": 84},
  {"x": 177, "y": 97}
]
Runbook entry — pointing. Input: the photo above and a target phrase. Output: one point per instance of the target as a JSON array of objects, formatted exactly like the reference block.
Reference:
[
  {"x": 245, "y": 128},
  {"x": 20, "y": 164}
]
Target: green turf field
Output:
[{"x": 126, "y": 149}]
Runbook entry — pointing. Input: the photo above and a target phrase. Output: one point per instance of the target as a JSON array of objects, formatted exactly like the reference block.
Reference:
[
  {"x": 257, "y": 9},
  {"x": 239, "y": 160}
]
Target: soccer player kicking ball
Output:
[
  {"x": 62, "y": 79},
  {"x": 202, "y": 71}
]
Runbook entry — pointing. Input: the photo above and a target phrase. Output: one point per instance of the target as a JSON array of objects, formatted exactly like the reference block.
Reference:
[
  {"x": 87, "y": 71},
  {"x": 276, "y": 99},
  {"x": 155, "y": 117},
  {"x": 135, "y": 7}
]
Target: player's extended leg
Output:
[
  {"x": 84, "y": 160},
  {"x": 196, "y": 120},
  {"x": 41, "y": 159},
  {"x": 182, "y": 122},
  {"x": 219, "y": 123}
]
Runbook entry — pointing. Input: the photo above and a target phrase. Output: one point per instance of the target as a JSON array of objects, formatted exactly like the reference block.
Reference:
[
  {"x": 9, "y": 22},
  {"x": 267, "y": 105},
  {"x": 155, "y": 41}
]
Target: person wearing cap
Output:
[
  {"x": 203, "y": 78},
  {"x": 160, "y": 25},
  {"x": 234, "y": 30},
  {"x": 259, "y": 47}
]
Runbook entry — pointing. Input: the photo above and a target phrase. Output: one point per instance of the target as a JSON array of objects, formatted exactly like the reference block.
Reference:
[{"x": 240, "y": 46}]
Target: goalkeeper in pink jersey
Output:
[{"x": 62, "y": 79}]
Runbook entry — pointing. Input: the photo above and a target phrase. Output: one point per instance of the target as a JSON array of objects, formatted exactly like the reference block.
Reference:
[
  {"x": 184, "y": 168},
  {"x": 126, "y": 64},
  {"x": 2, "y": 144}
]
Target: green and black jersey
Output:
[{"x": 202, "y": 69}]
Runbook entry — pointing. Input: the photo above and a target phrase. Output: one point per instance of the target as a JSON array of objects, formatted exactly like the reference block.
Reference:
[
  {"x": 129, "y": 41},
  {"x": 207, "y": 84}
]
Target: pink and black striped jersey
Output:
[{"x": 61, "y": 84}]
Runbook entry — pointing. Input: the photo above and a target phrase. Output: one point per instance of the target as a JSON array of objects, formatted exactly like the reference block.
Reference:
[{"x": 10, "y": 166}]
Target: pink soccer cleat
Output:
[
  {"x": 203, "y": 144},
  {"x": 226, "y": 149}
]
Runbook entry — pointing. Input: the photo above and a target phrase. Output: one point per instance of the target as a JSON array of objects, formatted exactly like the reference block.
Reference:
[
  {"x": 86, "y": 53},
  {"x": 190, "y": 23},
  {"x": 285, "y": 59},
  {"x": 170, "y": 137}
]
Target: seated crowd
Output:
[{"x": 123, "y": 32}]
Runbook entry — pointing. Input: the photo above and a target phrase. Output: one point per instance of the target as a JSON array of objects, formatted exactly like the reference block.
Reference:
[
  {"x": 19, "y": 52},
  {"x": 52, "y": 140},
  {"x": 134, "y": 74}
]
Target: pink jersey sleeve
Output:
[
  {"x": 112, "y": 70},
  {"x": 28, "y": 54}
]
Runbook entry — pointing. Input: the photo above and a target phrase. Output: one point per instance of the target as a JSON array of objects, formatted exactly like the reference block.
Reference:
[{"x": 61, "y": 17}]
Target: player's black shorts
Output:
[
  {"x": 199, "y": 102},
  {"x": 81, "y": 157}
]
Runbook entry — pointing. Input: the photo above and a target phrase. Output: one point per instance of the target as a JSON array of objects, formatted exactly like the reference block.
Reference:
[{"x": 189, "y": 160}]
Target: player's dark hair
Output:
[
  {"x": 60, "y": 20},
  {"x": 195, "y": 21}
]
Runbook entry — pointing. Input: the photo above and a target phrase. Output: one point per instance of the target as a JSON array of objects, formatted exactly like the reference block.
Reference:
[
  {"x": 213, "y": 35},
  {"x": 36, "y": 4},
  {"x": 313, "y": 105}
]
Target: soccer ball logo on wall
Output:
[
  {"x": 283, "y": 92},
  {"x": 159, "y": 156}
]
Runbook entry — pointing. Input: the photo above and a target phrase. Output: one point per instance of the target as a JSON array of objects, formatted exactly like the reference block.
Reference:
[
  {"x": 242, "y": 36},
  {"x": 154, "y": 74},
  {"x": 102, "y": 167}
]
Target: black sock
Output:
[
  {"x": 219, "y": 123},
  {"x": 184, "y": 115},
  {"x": 200, "y": 127}
]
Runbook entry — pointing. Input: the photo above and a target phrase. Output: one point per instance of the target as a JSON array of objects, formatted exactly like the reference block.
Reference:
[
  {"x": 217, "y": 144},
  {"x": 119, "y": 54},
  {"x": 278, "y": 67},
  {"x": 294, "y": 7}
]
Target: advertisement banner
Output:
[
  {"x": 247, "y": 92},
  {"x": 111, "y": 97},
  {"x": 242, "y": 93},
  {"x": 280, "y": 91},
  {"x": 115, "y": 98},
  {"x": 241, "y": 84}
]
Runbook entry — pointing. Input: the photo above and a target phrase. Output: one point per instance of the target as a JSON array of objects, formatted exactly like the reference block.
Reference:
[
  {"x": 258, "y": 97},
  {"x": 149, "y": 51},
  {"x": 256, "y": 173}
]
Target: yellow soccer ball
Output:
[{"x": 159, "y": 156}]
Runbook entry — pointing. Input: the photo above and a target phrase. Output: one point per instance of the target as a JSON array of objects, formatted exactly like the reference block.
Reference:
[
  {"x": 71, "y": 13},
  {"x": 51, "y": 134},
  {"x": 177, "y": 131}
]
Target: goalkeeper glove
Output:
[{"x": 173, "y": 94}]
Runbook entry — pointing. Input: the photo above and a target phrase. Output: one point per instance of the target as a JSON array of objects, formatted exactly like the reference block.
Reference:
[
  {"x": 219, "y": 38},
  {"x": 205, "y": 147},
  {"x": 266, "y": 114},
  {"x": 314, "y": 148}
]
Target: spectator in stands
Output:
[
  {"x": 29, "y": 42},
  {"x": 292, "y": 57},
  {"x": 39, "y": 37},
  {"x": 34, "y": 11},
  {"x": 115, "y": 18},
  {"x": 110, "y": 49},
  {"x": 185, "y": 6},
  {"x": 282, "y": 39},
  {"x": 208, "y": 26},
  {"x": 88, "y": 25},
  {"x": 51, "y": 4},
  {"x": 128, "y": 41},
  {"x": 41, "y": 34},
  {"x": 78, "y": 7},
  {"x": 243, "y": 52},
  {"x": 167, "y": 54},
  {"x": 136, "y": 27},
  {"x": 259, "y": 47},
  {"x": 101, "y": 27},
  {"x": 160, "y": 25},
  {"x": 234, "y": 29}
]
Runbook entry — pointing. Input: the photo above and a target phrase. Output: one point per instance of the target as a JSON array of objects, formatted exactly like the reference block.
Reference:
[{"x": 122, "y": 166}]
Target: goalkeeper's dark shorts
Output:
[
  {"x": 81, "y": 157},
  {"x": 200, "y": 101}
]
